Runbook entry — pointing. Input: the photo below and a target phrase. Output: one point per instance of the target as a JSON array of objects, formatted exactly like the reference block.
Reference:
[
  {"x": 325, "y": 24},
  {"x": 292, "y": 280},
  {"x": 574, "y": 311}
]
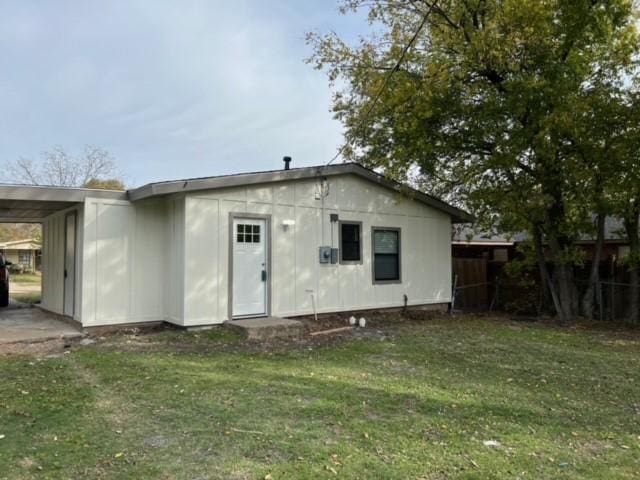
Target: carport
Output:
[{"x": 60, "y": 210}]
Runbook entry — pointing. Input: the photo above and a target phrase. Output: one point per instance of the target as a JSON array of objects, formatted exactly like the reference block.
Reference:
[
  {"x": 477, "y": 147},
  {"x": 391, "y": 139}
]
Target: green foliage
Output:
[{"x": 517, "y": 107}]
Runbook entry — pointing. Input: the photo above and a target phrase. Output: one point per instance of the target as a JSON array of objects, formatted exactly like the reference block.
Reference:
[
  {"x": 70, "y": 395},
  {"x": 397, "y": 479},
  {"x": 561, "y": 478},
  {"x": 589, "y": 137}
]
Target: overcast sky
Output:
[{"x": 173, "y": 89}]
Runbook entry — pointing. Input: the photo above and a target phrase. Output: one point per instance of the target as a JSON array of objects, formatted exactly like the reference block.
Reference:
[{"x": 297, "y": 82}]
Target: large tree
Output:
[
  {"x": 623, "y": 185},
  {"x": 93, "y": 167},
  {"x": 490, "y": 100}
]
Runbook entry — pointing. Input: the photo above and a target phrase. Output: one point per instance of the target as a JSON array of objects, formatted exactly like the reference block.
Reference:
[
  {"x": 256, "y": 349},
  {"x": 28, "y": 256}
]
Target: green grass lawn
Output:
[
  {"x": 417, "y": 401},
  {"x": 26, "y": 297},
  {"x": 27, "y": 278}
]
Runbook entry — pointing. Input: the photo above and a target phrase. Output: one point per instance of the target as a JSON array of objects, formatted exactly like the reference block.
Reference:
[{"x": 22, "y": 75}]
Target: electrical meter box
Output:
[
  {"x": 325, "y": 254},
  {"x": 328, "y": 255}
]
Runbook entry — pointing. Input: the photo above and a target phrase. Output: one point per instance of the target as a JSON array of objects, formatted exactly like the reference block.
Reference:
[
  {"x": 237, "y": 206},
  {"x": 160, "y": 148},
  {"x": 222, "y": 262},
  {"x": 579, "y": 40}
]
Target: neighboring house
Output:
[
  {"x": 501, "y": 248},
  {"x": 498, "y": 248},
  {"x": 202, "y": 251},
  {"x": 23, "y": 253}
]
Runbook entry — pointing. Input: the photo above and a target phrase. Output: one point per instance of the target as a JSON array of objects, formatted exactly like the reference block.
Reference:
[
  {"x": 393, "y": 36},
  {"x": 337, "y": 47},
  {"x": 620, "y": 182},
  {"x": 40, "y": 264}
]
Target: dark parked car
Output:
[{"x": 4, "y": 281}]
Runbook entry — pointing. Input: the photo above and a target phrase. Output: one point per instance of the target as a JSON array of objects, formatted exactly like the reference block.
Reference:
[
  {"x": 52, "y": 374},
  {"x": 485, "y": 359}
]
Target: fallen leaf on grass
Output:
[{"x": 492, "y": 443}]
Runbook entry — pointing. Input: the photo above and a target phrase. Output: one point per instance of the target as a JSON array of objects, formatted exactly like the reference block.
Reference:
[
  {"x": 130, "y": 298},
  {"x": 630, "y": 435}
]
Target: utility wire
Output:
[{"x": 388, "y": 77}]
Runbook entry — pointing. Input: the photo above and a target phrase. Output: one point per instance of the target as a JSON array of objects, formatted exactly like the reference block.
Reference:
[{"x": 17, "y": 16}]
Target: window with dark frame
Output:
[
  {"x": 247, "y": 233},
  {"x": 350, "y": 242},
  {"x": 386, "y": 255}
]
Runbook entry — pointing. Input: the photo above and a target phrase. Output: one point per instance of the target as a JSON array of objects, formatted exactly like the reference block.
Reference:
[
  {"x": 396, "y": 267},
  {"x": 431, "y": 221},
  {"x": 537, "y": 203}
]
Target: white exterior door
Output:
[
  {"x": 250, "y": 269},
  {"x": 69, "y": 263}
]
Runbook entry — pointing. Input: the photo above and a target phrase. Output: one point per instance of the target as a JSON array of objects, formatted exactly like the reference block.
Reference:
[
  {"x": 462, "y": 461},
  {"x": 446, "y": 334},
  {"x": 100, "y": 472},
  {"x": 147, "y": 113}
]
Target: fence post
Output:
[
  {"x": 599, "y": 297},
  {"x": 453, "y": 292},
  {"x": 613, "y": 302},
  {"x": 494, "y": 300}
]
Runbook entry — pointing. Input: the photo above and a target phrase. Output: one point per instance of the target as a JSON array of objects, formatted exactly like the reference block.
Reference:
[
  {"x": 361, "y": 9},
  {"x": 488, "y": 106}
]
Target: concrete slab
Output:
[
  {"x": 268, "y": 327},
  {"x": 33, "y": 325}
]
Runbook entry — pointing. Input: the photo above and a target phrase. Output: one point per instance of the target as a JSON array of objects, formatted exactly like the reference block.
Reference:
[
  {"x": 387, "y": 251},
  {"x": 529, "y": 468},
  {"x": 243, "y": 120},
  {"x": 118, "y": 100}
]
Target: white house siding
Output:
[
  {"x": 425, "y": 247},
  {"x": 167, "y": 258},
  {"x": 124, "y": 261},
  {"x": 53, "y": 245},
  {"x": 173, "y": 260}
]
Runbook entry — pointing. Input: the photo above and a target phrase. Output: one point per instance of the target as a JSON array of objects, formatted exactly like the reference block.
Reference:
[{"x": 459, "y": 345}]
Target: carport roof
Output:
[{"x": 30, "y": 204}]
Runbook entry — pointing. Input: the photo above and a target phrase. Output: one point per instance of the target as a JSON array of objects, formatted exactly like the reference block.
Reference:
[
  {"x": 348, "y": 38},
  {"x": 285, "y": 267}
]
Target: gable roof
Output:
[
  {"x": 244, "y": 179},
  {"x": 26, "y": 244}
]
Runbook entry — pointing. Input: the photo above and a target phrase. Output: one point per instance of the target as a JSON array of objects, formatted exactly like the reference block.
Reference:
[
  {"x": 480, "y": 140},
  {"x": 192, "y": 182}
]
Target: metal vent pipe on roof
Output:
[{"x": 287, "y": 161}]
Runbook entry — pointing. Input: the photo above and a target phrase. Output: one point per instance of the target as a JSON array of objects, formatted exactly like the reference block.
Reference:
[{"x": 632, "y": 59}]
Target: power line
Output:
[{"x": 388, "y": 77}]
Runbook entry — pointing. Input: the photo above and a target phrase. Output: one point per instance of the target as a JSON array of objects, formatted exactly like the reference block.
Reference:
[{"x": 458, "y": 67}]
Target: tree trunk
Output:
[
  {"x": 545, "y": 278},
  {"x": 567, "y": 300},
  {"x": 631, "y": 226},
  {"x": 594, "y": 274},
  {"x": 559, "y": 244},
  {"x": 634, "y": 304},
  {"x": 566, "y": 291}
]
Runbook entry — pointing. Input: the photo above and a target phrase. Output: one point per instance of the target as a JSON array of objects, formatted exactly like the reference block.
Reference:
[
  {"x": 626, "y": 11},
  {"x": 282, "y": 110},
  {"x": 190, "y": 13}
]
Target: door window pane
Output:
[{"x": 247, "y": 233}]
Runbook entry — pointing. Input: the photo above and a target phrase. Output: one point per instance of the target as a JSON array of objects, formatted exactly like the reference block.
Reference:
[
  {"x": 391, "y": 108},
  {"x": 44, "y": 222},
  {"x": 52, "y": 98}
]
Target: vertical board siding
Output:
[
  {"x": 168, "y": 258},
  {"x": 53, "y": 249},
  {"x": 173, "y": 260},
  {"x": 122, "y": 269},
  {"x": 295, "y": 269},
  {"x": 202, "y": 279}
]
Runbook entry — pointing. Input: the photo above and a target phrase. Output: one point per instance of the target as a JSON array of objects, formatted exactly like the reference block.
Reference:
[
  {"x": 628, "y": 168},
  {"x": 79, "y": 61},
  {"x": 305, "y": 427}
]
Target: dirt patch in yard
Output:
[
  {"x": 380, "y": 326},
  {"x": 35, "y": 349}
]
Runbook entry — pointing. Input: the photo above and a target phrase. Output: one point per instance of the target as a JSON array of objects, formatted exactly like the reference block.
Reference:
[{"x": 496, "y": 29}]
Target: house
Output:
[
  {"x": 479, "y": 259},
  {"x": 202, "y": 251},
  {"x": 468, "y": 243},
  {"x": 23, "y": 253}
]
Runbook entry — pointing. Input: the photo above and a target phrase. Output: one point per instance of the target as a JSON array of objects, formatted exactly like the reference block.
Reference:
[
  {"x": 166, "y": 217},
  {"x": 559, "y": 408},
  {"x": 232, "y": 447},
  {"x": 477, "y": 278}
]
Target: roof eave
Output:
[{"x": 212, "y": 183}]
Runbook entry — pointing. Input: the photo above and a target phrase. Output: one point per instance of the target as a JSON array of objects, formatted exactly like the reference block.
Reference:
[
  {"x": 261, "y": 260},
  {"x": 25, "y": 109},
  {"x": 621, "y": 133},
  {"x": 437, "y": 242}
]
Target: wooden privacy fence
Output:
[
  {"x": 473, "y": 293},
  {"x": 471, "y": 289}
]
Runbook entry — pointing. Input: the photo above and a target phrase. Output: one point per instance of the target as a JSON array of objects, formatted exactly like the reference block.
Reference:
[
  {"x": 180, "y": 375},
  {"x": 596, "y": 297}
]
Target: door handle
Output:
[
  {"x": 264, "y": 275},
  {"x": 65, "y": 273}
]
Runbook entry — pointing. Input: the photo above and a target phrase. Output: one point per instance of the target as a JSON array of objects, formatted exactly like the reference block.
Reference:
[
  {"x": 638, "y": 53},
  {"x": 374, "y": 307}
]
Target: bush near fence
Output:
[{"x": 491, "y": 288}]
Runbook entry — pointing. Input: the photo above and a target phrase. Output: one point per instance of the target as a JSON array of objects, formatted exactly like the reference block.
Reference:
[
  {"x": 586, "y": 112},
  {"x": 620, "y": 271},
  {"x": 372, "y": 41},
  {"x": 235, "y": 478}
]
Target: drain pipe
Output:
[{"x": 313, "y": 302}]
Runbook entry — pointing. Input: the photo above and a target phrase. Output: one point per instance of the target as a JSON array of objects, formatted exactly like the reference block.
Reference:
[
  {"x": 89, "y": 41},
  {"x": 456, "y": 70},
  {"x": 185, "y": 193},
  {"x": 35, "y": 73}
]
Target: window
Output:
[
  {"x": 247, "y": 233},
  {"x": 501, "y": 255},
  {"x": 386, "y": 255},
  {"x": 24, "y": 257},
  {"x": 350, "y": 242}
]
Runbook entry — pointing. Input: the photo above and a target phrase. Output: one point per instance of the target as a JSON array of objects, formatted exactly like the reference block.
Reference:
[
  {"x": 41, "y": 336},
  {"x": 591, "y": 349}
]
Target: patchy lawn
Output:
[
  {"x": 401, "y": 400},
  {"x": 25, "y": 287},
  {"x": 28, "y": 278},
  {"x": 26, "y": 297}
]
